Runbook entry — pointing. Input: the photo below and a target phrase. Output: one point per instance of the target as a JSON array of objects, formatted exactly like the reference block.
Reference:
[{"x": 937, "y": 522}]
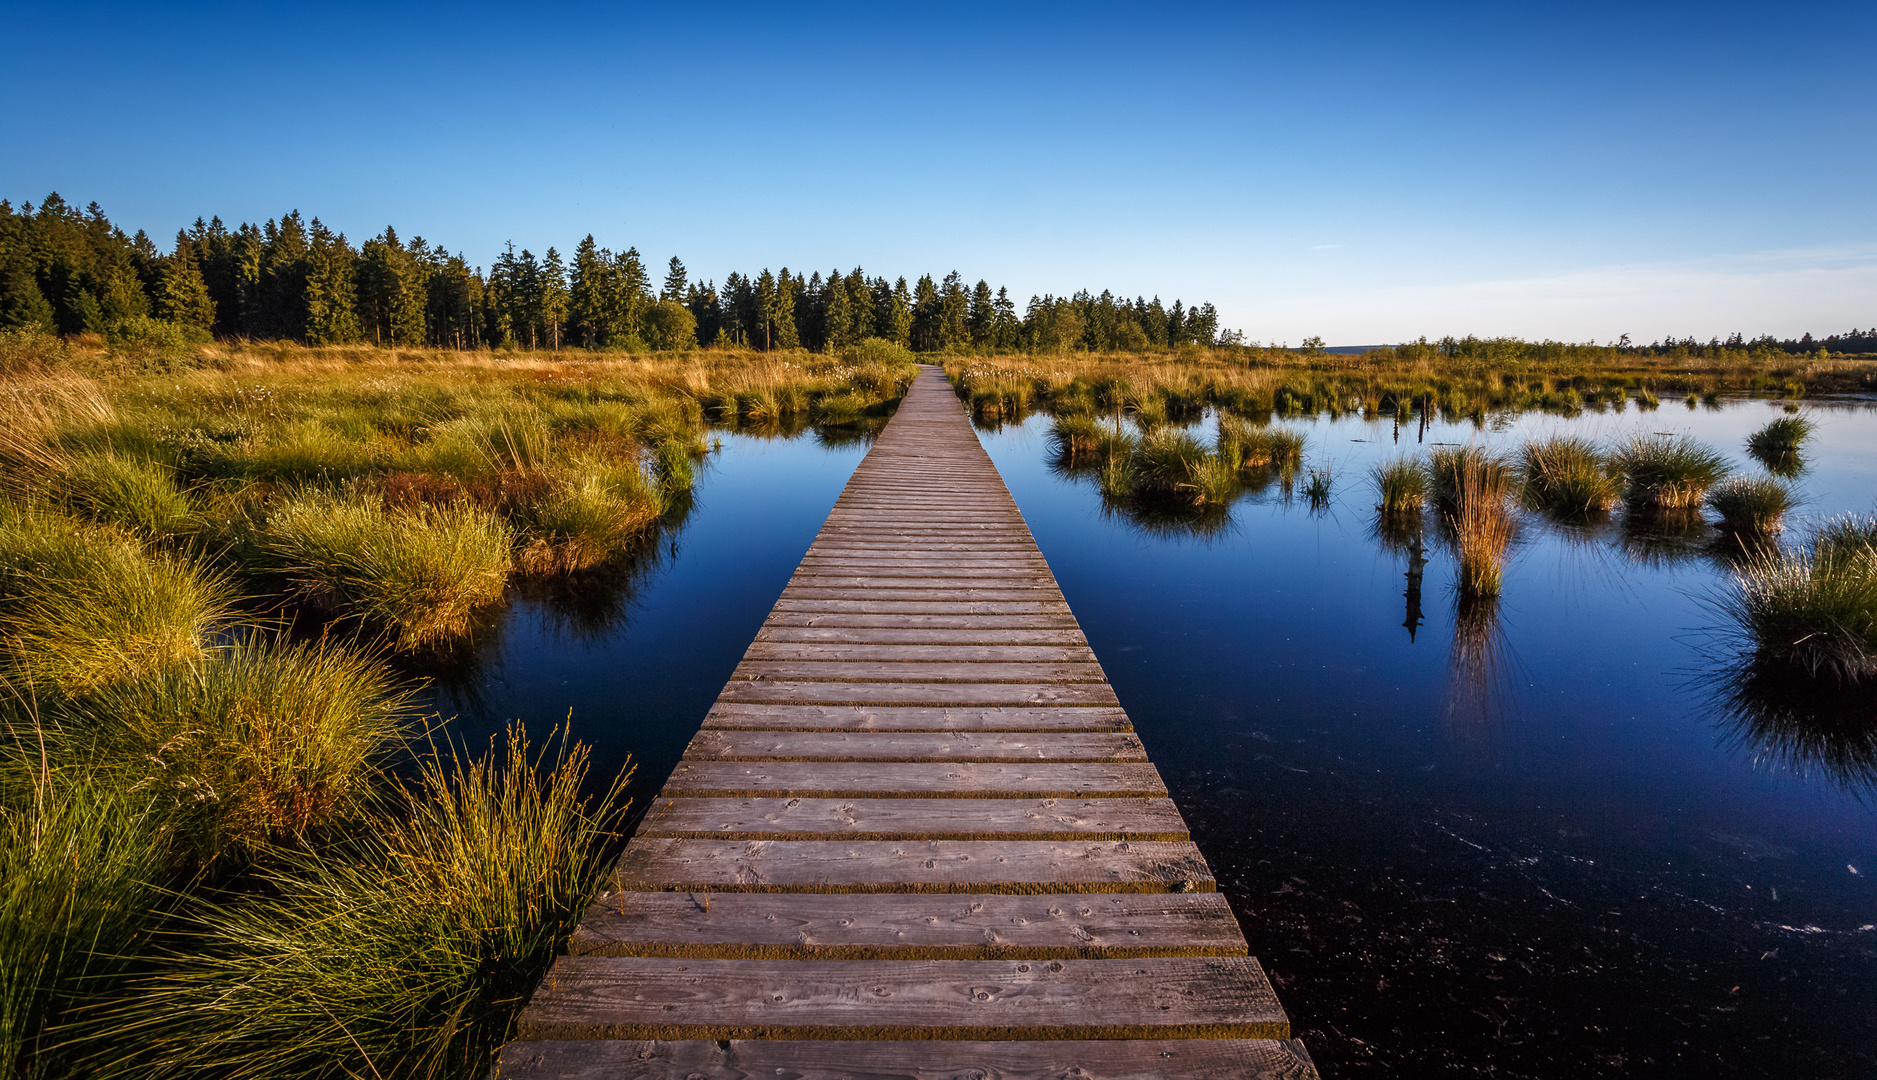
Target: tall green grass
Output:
[
  {"x": 1813, "y": 609},
  {"x": 254, "y": 745},
  {"x": 81, "y": 881},
  {"x": 1668, "y": 473},
  {"x": 424, "y": 573},
  {"x": 81, "y": 606},
  {"x": 1751, "y": 505},
  {"x": 1402, "y": 485},
  {"x": 406, "y": 954}
]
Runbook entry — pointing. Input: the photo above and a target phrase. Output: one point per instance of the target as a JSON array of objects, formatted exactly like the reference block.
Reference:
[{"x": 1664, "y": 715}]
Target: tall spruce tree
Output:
[
  {"x": 182, "y": 296},
  {"x": 674, "y": 281}
]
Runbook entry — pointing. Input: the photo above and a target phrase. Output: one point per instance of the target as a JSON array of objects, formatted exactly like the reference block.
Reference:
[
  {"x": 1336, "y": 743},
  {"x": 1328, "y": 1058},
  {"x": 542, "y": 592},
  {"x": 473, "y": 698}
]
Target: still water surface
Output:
[{"x": 1527, "y": 844}]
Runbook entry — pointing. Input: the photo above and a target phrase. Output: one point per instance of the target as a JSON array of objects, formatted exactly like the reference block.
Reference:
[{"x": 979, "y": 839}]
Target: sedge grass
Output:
[
  {"x": 118, "y": 490},
  {"x": 1668, "y": 473},
  {"x": 81, "y": 881},
  {"x": 1566, "y": 475},
  {"x": 423, "y": 573},
  {"x": 1814, "y": 610},
  {"x": 405, "y": 954},
  {"x": 1458, "y": 474},
  {"x": 255, "y": 744},
  {"x": 1751, "y": 506},
  {"x": 81, "y": 606},
  {"x": 1402, "y": 485},
  {"x": 1777, "y": 445}
]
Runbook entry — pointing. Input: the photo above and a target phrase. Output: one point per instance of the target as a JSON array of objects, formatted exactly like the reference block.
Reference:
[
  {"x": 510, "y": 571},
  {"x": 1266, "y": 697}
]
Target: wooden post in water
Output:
[{"x": 916, "y": 836}]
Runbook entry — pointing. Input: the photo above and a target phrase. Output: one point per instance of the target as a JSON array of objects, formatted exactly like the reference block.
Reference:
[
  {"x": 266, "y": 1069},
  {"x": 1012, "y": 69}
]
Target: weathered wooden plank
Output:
[
  {"x": 907, "y": 926},
  {"x": 914, "y": 637},
  {"x": 712, "y": 744},
  {"x": 739, "y": 1059},
  {"x": 912, "y": 592},
  {"x": 912, "y": 866},
  {"x": 923, "y": 577},
  {"x": 911, "y": 606},
  {"x": 912, "y": 780},
  {"x": 942, "y": 694},
  {"x": 682, "y": 998},
  {"x": 846, "y": 649},
  {"x": 919, "y": 671},
  {"x": 1046, "y": 620},
  {"x": 915, "y": 819},
  {"x": 738, "y": 716}
]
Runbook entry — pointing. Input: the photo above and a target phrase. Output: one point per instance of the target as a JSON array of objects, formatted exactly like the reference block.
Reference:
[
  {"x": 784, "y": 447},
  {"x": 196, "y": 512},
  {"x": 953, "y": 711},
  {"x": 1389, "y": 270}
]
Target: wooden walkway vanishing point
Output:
[{"x": 916, "y": 836}]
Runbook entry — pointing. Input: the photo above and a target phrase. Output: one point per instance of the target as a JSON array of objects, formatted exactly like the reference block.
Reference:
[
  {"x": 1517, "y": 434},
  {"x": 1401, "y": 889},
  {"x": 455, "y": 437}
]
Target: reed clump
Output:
[
  {"x": 1567, "y": 475},
  {"x": 1752, "y": 506},
  {"x": 1777, "y": 445},
  {"x": 1813, "y": 609},
  {"x": 1459, "y": 474},
  {"x": 1402, "y": 484},
  {"x": 1668, "y": 473}
]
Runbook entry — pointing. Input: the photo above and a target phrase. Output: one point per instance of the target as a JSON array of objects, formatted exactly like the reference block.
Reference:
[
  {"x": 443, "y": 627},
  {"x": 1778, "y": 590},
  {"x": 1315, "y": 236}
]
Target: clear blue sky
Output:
[{"x": 1364, "y": 172}]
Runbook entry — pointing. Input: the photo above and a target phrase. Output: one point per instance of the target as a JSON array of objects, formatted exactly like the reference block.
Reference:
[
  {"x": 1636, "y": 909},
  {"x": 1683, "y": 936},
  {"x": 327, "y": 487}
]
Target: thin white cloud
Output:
[{"x": 1785, "y": 293}]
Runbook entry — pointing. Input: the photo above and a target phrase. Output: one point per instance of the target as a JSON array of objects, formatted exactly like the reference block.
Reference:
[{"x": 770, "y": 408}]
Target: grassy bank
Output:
[{"x": 230, "y": 846}]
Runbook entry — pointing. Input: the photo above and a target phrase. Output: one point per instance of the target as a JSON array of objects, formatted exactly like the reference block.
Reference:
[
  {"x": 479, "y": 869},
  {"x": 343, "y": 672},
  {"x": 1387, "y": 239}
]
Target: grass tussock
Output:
[
  {"x": 1402, "y": 485},
  {"x": 406, "y": 954},
  {"x": 81, "y": 606},
  {"x": 1566, "y": 475},
  {"x": 1777, "y": 445},
  {"x": 82, "y": 874},
  {"x": 1813, "y": 609},
  {"x": 1669, "y": 473},
  {"x": 423, "y": 573},
  {"x": 1751, "y": 505},
  {"x": 252, "y": 746},
  {"x": 1458, "y": 474},
  {"x": 119, "y": 490}
]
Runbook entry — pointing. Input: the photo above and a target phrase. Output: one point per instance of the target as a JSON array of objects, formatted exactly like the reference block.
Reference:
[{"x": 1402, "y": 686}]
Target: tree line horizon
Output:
[{"x": 67, "y": 271}]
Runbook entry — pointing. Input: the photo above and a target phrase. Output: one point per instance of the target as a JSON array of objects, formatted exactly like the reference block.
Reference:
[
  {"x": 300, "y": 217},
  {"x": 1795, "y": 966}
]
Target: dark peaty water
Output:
[{"x": 1524, "y": 842}]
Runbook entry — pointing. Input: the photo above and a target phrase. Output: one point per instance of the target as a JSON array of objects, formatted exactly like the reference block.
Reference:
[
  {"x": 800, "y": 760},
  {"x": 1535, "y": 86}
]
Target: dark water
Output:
[{"x": 1524, "y": 843}]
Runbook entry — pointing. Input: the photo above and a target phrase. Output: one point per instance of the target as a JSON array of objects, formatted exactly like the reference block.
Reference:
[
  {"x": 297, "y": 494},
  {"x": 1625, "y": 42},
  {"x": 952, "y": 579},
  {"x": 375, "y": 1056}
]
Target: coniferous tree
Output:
[
  {"x": 182, "y": 295},
  {"x": 838, "y": 316},
  {"x": 553, "y": 299},
  {"x": 860, "y": 296},
  {"x": 784, "y": 333},
  {"x": 331, "y": 301},
  {"x": 954, "y": 303},
  {"x": 981, "y": 318},
  {"x": 674, "y": 281},
  {"x": 925, "y": 315},
  {"x": 1005, "y": 325},
  {"x": 706, "y": 308},
  {"x": 586, "y": 296}
]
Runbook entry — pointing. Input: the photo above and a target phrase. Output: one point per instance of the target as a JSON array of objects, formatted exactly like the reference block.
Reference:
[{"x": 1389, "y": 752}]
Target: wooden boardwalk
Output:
[{"x": 916, "y": 836}]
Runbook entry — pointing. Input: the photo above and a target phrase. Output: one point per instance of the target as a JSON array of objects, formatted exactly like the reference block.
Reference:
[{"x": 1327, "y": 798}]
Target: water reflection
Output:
[
  {"x": 1479, "y": 666},
  {"x": 1401, "y": 534},
  {"x": 1790, "y": 720}
]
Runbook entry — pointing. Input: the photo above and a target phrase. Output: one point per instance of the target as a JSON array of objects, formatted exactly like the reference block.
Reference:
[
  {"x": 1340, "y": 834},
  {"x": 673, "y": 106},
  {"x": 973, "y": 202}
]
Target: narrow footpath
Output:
[{"x": 916, "y": 836}]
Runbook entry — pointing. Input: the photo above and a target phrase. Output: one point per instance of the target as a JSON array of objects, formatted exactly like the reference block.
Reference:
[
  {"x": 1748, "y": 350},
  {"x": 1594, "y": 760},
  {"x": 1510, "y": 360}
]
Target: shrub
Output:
[
  {"x": 1669, "y": 472},
  {"x": 423, "y": 573}
]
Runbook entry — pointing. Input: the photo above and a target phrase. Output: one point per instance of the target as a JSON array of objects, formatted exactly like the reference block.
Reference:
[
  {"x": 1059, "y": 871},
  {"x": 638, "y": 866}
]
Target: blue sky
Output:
[{"x": 1367, "y": 173}]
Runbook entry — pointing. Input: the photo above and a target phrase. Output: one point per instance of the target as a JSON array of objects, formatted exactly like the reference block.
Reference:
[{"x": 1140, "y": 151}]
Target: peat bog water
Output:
[{"x": 1532, "y": 846}]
